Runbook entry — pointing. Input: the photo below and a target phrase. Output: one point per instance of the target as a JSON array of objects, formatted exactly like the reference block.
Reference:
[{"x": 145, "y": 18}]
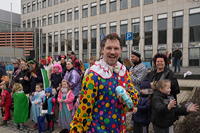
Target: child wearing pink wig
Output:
[{"x": 56, "y": 76}]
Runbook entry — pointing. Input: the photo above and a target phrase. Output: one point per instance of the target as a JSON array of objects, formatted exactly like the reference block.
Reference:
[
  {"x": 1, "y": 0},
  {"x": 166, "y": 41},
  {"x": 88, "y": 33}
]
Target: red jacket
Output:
[{"x": 6, "y": 99}]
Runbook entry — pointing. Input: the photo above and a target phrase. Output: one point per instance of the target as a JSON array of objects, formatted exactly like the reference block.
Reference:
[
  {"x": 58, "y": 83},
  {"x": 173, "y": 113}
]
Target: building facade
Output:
[
  {"x": 80, "y": 25},
  {"x": 5, "y": 20},
  {"x": 11, "y": 35}
]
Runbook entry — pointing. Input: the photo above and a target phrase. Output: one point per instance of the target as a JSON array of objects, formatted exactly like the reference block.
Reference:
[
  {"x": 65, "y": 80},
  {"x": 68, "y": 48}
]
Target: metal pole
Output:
[
  {"x": 40, "y": 22},
  {"x": 11, "y": 28},
  {"x": 141, "y": 43}
]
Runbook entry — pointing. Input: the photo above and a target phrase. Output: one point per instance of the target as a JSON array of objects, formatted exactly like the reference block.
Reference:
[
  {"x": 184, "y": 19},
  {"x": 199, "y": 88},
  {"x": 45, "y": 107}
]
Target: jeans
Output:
[{"x": 177, "y": 65}]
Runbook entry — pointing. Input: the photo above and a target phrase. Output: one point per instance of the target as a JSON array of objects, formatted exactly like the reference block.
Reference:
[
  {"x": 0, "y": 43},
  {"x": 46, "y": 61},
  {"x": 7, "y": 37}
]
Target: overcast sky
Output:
[{"x": 16, "y": 5}]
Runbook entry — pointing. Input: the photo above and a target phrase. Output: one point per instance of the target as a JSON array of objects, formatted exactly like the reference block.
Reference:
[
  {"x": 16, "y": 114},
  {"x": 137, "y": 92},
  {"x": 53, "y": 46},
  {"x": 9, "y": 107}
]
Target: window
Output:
[
  {"x": 148, "y": 2},
  {"x": 24, "y": 24},
  {"x": 44, "y": 3},
  {"x": 160, "y": 0},
  {"x": 148, "y": 54},
  {"x": 55, "y": 2},
  {"x": 123, "y": 30},
  {"x": 50, "y": 2},
  {"x": 194, "y": 22},
  {"x": 136, "y": 33},
  {"x": 44, "y": 21},
  {"x": 24, "y": 9},
  {"x": 177, "y": 29},
  {"x": 76, "y": 38},
  {"x": 123, "y": 4},
  {"x": 50, "y": 42},
  {"x": 56, "y": 18},
  {"x": 28, "y": 8},
  {"x": 113, "y": 28},
  {"x": 85, "y": 39},
  {"x": 50, "y": 20},
  {"x": 102, "y": 32},
  {"x": 85, "y": 44},
  {"x": 135, "y": 3},
  {"x": 93, "y": 9},
  {"x": 69, "y": 41},
  {"x": 38, "y": 5},
  {"x": 93, "y": 42},
  {"x": 61, "y": 1},
  {"x": 162, "y": 31},
  {"x": 102, "y": 6},
  {"x": 33, "y": 23},
  {"x": 62, "y": 16},
  {"x": 76, "y": 14},
  {"x": 69, "y": 14},
  {"x": 62, "y": 42},
  {"x": 148, "y": 28},
  {"x": 33, "y": 6},
  {"x": 85, "y": 11},
  {"x": 44, "y": 43},
  {"x": 113, "y": 6},
  {"x": 56, "y": 43},
  {"x": 38, "y": 22},
  {"x": 93, "y": 38},
  {"x": 28, "y": 23},
  {"x": 194, "y": 57}
]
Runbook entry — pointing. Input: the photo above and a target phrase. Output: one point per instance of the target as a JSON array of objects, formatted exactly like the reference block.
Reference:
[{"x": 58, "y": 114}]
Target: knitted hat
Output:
[
  {"x": 136, "y": 53},
  {"x": 48, "y": 90}
]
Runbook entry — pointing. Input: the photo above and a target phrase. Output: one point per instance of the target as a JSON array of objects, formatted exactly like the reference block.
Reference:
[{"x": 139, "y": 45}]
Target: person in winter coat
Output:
[
  {"x": 24, "y": 78},
  {"x": 65, "y": 99},
  {"x": 36, "y": 76},
  {"x": 20, "y": 105},
  {"x": 36, "y": 102},
  {"x": 165, "y": 109},
  {"x": 143, "y": 112},
  {"x": 56, "y": 76},
  {"x": 49, "y": 105},
  {"x": 73, "y": 78},
  {"x": 161, "y": 72},
  {"x": 5, "y": 103}
]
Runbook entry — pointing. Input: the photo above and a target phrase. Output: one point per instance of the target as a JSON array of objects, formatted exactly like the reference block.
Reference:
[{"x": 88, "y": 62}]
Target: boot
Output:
[{"x": 4, "y": 123}]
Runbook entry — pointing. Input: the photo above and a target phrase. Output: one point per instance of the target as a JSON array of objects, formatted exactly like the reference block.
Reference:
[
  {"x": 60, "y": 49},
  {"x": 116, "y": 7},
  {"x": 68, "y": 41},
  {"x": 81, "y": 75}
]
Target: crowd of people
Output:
[{"x": 86, "y": 100}]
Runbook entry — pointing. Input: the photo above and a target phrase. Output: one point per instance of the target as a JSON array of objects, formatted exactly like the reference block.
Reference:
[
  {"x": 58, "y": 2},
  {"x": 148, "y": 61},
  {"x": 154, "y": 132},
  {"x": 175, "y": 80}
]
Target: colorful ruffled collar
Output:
[{"x": 105, "y": 71}]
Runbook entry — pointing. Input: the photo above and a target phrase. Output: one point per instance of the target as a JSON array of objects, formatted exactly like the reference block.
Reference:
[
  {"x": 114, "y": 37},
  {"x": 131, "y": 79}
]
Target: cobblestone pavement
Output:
[{"x": 27, "y": 128}]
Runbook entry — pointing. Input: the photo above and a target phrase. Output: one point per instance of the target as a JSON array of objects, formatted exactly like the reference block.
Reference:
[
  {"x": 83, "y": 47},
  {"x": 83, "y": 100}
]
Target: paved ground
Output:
[{"x": 194, "y": 70}]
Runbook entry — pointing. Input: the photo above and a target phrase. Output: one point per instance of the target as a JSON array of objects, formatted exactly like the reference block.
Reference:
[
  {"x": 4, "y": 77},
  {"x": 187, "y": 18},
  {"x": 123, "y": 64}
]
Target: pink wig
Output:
[{"x": 57, "y": 66}]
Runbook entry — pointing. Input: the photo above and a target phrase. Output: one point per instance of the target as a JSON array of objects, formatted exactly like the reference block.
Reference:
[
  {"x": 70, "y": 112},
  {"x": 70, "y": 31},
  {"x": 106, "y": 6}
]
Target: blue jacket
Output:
[{"x": 143, "y": 115}]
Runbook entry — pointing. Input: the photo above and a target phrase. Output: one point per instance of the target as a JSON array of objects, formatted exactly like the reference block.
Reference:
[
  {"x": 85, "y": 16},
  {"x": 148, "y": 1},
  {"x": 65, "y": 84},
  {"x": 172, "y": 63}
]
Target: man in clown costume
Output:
[{"x": 100, "y": 109}]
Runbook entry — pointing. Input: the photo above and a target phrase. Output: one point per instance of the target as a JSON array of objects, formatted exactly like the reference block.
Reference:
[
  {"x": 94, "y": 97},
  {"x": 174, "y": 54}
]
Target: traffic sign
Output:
[{"x": 129, "y": 36}]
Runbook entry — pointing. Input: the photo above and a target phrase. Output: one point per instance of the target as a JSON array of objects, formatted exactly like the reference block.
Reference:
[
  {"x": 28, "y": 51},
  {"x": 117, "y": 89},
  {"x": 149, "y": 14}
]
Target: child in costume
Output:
[
  {"x": 36, "y": 101},
  {"x": 20, "y": 105},
  {"x": 56, "y": 76},
  {"x": 5, "y": 103},
  {"x": 65, "y": 99},
  {"x": 49, "y": 105}
]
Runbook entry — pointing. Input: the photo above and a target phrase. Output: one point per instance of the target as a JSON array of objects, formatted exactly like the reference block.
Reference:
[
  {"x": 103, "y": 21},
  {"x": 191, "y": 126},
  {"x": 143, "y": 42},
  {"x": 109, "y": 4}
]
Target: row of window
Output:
[
  {"x": 148, "y": 28},
  {"x": 194, "y": 28},
  {"x": 37, "y": 5}
]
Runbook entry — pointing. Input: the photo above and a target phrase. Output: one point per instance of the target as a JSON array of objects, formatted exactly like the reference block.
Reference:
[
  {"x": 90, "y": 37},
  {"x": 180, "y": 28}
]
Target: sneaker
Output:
[
  {"x": 4, "y": 123},
  {"x": 35, "y": 126}
]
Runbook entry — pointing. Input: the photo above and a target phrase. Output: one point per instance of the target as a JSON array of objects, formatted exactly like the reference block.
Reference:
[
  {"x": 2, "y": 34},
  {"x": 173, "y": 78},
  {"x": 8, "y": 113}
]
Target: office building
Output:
[{"x": 79, "y": 25}]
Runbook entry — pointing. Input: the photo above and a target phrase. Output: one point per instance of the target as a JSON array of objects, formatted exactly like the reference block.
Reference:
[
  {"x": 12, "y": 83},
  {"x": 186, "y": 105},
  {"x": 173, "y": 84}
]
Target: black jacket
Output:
[
  {"x": 160, "y": 115},
  {"x": 166, "y": 74}
]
